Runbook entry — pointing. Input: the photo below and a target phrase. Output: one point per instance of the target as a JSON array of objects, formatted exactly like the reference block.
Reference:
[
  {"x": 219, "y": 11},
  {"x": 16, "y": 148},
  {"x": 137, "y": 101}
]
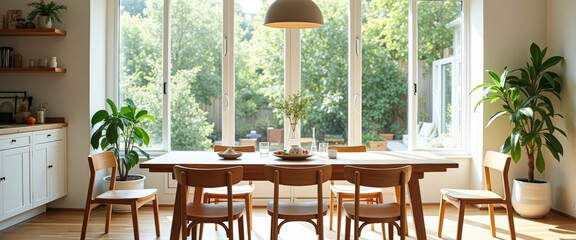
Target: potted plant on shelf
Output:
[
  {"x": 47, "y": 13},
  {"x": 295, "y": 107},
  {"x": 525, "y": 99},
  {"x": 120, "y": 131}
]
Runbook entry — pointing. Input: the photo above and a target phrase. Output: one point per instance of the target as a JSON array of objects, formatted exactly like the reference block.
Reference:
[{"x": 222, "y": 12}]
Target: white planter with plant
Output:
[
  {"x": 295, "y": 108},
  {"x": 47, "y": 13},
  {"x": 525, "y": 99},
  {"x": 120, "y": 132}
]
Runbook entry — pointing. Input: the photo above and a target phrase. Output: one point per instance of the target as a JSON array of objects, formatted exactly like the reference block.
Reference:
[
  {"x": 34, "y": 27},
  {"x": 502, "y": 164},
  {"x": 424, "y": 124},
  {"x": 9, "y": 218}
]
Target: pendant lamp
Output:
[{"x": 293, "y": 14}]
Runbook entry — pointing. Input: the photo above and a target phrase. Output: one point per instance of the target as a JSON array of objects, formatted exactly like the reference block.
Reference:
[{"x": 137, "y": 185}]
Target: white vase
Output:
[
  {"x": 42, "y": 24},
  {"x": 125, "y": 185},
  {"x": 531, "y": 200}
]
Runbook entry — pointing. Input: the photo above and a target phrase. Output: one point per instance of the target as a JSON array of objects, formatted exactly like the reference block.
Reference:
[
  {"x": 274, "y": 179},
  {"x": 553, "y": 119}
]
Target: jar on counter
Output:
[{"x": 41, "y": 113}]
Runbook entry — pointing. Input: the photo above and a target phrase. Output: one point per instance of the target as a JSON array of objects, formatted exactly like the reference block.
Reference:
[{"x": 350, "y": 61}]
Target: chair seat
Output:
[
  {"x": 373, "y": 212},
  {"x": 349, "y": 189},
  {"x": 213, "y": 212},
  {"x": 467, "y": 194},
  {"x": 236, "y": 189},
  {"x": 306, "y": 210},
  {"x": 126, "y": 194}
]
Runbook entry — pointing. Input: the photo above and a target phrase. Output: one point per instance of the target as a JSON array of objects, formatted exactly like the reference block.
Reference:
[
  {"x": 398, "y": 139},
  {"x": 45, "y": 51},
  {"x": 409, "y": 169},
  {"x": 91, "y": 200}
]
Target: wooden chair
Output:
[
  {"x": 297, "y": 211},
  {"x": 377, "y": 213},
  {"x": 346, "y": 192},
  {"x": 134, "y": 198},
  {"x": 199, "y": 213},
  {"x": 461, "y": 197},
  {"x": 243, "y": 192}
]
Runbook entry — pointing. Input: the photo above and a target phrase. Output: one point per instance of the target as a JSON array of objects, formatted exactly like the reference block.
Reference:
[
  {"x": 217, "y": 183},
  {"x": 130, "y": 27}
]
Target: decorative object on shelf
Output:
[
  {"x": 29, "y": 25},
  {"x": 31, "y": 63},
  {"x": 47, "y": 13},
  {"x": 12, "y": 17},
  {"x": 22, "y": 114},
  {"x": 17, "y": 60},
  {"x": 525, "y": 98},
  {"x": 295, "y": 107},
  {"x": 120, "y": 130},
  {"x": 293, "y": 14},
  {"x": 5, "y": 57},
  {"x": 42, "y": 63},
  {"x": 52, "y": 62},
  {"x": 2, "y": 20},
  {"x": 20, "y": 24}
]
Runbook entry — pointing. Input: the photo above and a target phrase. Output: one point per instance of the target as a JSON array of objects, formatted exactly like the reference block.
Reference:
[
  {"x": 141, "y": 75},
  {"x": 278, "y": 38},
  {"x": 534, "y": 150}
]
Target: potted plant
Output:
[
  {"x": 374, "y": 141},
  {"x": 121, "y": 132},
  {"x": 525, "y": 99},
  {"x": 47, "y": 13},
  {"x": 295, "y": 107}
]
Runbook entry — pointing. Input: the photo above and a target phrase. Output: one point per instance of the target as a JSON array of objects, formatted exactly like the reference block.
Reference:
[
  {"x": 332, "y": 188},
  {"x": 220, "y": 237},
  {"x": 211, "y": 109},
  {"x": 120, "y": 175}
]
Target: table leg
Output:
[
  {"x": 175, "y": 230},
  {"x": 416, "y": 205}
]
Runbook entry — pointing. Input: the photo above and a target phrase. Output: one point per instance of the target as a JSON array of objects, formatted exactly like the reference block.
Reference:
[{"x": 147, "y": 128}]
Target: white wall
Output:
[{"x": 561, "y": 35}]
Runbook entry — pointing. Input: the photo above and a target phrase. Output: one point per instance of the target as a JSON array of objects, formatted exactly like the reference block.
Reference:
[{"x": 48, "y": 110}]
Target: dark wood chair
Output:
[
  {"x": 134, "y": 198},
  {"x": 462, "y": 197},
  {"x": 343, "y": 193},
  {"x": 377, "y": 213},
  {"x": 297, "y": 211},
  {"x": 200, "y": 213}
]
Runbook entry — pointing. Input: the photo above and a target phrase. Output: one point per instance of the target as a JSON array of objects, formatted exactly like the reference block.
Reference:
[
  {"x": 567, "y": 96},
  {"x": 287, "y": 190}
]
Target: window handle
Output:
[
  {"x": 357, "y": 46},
  {"x": 225, "y": 46},
  {"x": 50, "y": 166},
  {"x": 227, "y": 102},
  {"x": 13, "y": 140},
  {"x": 2, "y": 178},
  {"x": 355, "y": 101}
]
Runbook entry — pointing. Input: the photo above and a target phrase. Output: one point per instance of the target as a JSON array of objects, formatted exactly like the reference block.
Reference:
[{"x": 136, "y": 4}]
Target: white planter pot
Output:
[
  {"x": 42, "y": 24},
  {"x": 125, "y": 185},
  {"x": 531, "y": 200}
]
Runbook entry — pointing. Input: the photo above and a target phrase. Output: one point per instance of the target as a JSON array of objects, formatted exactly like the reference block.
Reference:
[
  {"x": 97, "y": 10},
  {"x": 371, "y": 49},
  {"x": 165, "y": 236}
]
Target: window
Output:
[{"x": 209, "y": 71}]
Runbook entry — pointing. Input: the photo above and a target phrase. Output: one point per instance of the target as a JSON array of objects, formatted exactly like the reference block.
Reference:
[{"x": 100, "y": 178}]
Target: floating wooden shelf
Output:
[
  {"x": 32, "y": 32},
  {"x": 33, "y": 70}
]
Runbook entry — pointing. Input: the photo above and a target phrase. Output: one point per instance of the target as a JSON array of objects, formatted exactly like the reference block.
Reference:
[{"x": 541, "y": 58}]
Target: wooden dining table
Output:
[{"x": 253, "y": 165}]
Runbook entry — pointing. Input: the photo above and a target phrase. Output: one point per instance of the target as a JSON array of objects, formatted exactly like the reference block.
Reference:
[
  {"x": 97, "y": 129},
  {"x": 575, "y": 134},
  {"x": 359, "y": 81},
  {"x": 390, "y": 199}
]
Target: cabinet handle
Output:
[
  {"x": 2, "y": 178},
  {"x": 50, "y": 166},
  {"x": 13, "y": 140},
  {"x": 49, "y": 135}
]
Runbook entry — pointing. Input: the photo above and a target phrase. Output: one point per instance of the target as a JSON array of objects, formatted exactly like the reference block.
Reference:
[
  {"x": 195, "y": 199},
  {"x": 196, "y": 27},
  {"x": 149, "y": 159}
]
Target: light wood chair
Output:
[
  {"x": 461, "y": 197},
  {"x": 242, "y": 192},
  {"x": 297, "y": 211},
  {"x": 134, "y": 198},
  {"x": 199, "y": 213},
  {"x": 377, "y": 213},
  {"x": 343, "y": 193}
]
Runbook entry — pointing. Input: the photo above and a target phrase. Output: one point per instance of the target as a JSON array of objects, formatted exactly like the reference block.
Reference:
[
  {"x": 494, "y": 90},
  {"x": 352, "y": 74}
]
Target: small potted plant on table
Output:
[{"x": 295, "y": 107}]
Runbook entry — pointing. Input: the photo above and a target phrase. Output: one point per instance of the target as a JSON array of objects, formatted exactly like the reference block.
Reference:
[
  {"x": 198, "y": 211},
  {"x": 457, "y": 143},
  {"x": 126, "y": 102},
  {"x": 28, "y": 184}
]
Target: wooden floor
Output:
[{"x": 67, "y": 224}]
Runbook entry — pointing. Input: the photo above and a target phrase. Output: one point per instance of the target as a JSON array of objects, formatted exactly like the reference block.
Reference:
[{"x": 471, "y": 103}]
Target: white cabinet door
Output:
[
  {"x": 57, "y": 187},
  {"x": 15, "y": 181},
  {"x": 40, "y": 183},
  {"x": 49, "y": 167}
]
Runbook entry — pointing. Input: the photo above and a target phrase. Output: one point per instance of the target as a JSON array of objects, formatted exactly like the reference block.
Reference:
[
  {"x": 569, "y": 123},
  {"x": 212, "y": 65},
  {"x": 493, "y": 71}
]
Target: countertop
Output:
[{"x": 20, "y": 128}]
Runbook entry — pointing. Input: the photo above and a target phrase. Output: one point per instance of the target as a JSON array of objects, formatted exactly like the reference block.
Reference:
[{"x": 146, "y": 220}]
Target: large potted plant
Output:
[
  {"x": 120, "y": 131},
  {"x": 526, "y": 101},
  {"x": 295, "y": 107},
  {"x": 47, "y": 13}
]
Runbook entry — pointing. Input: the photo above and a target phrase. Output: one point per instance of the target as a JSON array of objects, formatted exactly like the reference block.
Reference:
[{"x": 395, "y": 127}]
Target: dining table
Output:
[{"x": 253, "y": 164}]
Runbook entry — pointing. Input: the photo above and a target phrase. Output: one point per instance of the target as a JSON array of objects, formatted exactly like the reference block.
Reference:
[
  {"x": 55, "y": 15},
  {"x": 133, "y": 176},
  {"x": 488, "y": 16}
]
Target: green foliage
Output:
[
  {"x": 50, "y": 10},
  {"x": 121, "y": 130},
  {"x": 371, "y": 137},
  {"x": 525, "y": 100},
  {"x": 295, "y": 107}
]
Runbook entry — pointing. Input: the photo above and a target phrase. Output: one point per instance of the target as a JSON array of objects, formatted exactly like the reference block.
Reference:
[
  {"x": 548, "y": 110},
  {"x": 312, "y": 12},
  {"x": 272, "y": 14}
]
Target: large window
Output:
[{"x": 208, "y": 70}]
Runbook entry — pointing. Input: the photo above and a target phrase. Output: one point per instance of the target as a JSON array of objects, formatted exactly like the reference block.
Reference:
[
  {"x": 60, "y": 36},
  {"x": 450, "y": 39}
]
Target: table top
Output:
[{"x": 420, "y": 161}]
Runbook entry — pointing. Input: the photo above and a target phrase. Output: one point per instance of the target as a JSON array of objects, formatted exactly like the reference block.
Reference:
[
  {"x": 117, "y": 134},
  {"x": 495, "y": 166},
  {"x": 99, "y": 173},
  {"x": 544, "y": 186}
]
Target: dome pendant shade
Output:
[{"x": 293, "y": 14}]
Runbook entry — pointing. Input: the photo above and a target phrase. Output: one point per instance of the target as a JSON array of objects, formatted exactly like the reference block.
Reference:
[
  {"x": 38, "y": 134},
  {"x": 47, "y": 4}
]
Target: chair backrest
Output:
[
  {"x": 359, "y": 148},
  {"x": 381, "y": 178},
  {"x": 500, "y": 162},
  {"x": 298, "y": 176},
  {"x": 222, "y": 148},
  {"x": 99, "y": 161},
  {"x": 208, "y": 178}
]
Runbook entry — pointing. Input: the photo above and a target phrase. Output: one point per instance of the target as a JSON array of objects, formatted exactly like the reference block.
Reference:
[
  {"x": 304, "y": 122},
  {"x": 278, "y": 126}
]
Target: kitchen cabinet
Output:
[
  {"x": 48, "y": 166},
  {"x": 32, "y": 33},
  {"x": 14, "y": 175}
]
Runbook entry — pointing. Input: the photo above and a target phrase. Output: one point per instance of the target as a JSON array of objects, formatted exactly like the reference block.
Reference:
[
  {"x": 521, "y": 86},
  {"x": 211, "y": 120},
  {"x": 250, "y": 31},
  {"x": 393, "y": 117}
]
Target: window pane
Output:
[
  {"x": 324, "y": 74},
  {"x": 384, "y": 74},
  {"x": 196, "y": 74},
  {"x": 259, "y": 66},
  {"x": 140, "y": 60},
  {"x": 439, "y": 80}
]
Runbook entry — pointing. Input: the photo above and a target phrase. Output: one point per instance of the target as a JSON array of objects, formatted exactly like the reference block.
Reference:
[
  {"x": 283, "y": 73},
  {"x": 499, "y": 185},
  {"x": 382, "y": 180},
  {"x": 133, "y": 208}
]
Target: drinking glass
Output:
[
  {"x": 264, "y": 149},
  {"x": 323, "y": 148}
]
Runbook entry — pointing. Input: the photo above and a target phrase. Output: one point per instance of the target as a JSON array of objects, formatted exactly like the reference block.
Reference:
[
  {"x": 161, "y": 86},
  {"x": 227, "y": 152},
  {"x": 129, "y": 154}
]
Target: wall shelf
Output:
[
  {"x": 33, "y": 70},
  {"x": 32, "y": 32}
]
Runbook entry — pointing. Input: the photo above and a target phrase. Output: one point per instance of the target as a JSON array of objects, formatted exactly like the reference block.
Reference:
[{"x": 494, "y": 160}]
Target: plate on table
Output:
[
  {"x": 229, "y": 156},
  {"x": 293, "y": 157}
]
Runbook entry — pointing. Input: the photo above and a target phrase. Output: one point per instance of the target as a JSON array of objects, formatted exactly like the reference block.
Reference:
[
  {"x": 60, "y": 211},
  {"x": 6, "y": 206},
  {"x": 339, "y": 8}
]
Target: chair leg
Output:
[
  {"x": 492, "y": 224},
  {"x": 391, "y": 231},
  {"x": 108, "y": 217},
  {"x": 347, "y": 231},
  {"x": 339, "y": 221},
  {"x": 370, "y": 201},
  {"x": 331, "y": 208},
  {"x": 156, "y": 216},
  {"x": 397, "y": 197},
  {"x": 87, "y": 212},
  {"x": 135, "y": 221},
  {"x": 460, "y": 220},
  {"x": 251, "y": 210},
  {"x": 248, "y": 203},
  {"x": 441, "y": 218},
  {"x": 380, "y": 200},
  {"x": 510, "y": 214},
  {"x": 240, "y": 229}
]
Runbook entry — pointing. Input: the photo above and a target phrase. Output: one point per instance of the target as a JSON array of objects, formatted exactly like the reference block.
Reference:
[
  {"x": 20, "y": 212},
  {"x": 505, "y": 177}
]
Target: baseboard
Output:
[
  {"x": 563, "y": 214},
  {"x": 6, "y": 223}
]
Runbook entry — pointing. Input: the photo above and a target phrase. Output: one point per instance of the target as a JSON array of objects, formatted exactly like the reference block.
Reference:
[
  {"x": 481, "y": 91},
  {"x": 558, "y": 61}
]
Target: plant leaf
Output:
[{"x": 540, "y": 164}]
